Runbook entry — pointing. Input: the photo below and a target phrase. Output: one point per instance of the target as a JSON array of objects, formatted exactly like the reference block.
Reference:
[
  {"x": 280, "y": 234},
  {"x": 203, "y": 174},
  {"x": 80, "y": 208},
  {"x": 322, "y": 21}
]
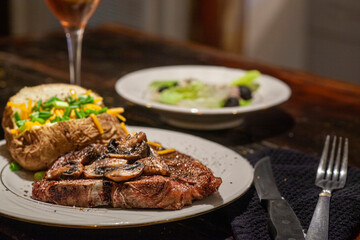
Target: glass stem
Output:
[{"x": 74, "y": 38}]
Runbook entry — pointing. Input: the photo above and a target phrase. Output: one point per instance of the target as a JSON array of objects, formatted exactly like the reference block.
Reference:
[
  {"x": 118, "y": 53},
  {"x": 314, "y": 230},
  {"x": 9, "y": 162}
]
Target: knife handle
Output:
[{"x": 284, "y": 224}]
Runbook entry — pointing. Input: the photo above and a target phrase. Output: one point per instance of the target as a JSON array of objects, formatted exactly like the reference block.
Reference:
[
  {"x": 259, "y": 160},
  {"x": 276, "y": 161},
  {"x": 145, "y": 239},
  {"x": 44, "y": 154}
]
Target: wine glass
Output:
[{"x": 73, "y": 16}]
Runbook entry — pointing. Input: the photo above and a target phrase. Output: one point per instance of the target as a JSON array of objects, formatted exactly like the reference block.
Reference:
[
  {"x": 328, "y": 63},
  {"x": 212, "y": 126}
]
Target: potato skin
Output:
[{"x": 38, "y": 148}]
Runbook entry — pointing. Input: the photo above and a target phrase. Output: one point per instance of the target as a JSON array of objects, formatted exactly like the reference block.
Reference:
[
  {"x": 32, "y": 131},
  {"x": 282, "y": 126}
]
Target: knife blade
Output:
[{"x": 283, "y": 222}]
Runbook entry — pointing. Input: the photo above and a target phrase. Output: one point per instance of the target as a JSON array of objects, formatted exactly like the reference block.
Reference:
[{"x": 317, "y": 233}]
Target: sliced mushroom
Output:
[
  {"x": 112, "y": 146},
  {"x": 126, "y": 172},
  {"x": 131, "y": 141},
  {"x": 91, "y": 153},
  {"x": 139, "y": 151},
  {"x": 70, "y": 165},
  {"x": 132, "y": 148},
  {"x": 155, "y": 166},
  {"x": 98, "y": 168},
  {"x": 70, "y": 170}
]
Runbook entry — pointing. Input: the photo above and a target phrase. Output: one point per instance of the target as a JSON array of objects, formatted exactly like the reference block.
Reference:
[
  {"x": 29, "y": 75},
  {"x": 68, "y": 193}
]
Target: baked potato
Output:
[{"x": 44, "y": 122}]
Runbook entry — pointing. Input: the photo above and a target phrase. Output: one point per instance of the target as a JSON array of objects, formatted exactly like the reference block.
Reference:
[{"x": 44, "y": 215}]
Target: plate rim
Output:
[
  {"x": 199, "y": 111},
  {"x": 109, "y": 226}
]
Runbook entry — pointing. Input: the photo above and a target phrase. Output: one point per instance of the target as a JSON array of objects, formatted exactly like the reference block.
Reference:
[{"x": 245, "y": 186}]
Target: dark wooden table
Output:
[{"x": 318, "y": 106}]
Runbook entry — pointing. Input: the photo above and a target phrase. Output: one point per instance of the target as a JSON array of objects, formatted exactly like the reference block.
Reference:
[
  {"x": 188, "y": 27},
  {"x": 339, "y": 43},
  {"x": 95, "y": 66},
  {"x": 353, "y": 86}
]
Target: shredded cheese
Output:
[
  {"x": 122, "y": 118},
  {"x": 30, "y": 125},
  {"x": 124, "y": 128},
  {"x": 166, "y": 151},
  {"x": 96, "y": 100},
  {"x": 22, "y": 107},
  {"x": 24, "y": 112},
  {"x": 15, "y": 131},
  {"x": 52, "y": 117},
  {"x": 154, "y": 144},
  {"x": 97, "y": 123},
  {"x": 72, "y": 114},
  {"x": 29, "y": 105},
  {"x": 11, "y": 104},
  {"x": 88, "y": 92},
  {"x": 115, "y": 111},
  {"x": 92, "y": 106},
  {"x": 59, "y": 112}
]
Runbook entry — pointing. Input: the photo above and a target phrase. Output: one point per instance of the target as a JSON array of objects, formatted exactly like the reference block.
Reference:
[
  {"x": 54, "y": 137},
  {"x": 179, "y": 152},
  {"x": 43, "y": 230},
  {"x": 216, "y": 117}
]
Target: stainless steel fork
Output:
[{"x": 330, "y": 176}]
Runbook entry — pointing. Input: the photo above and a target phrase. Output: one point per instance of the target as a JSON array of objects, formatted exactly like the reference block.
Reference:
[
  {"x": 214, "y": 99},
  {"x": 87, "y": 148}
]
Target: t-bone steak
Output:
[{"x": 128, "y": 173}]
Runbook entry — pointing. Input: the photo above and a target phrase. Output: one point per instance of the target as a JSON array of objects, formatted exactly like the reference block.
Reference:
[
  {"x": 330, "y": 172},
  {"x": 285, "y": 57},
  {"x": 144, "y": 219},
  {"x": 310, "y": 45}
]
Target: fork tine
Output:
[
  {"x": 331, "y": 160},
  {"x": 323, "y": 159},
  {"x": 344, "y": 165},
  {"x": 337, "y": 162}
]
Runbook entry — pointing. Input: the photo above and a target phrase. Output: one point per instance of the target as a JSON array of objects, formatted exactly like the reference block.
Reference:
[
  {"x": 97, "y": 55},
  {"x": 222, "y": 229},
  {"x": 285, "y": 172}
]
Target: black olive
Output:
[
  {"x": 163, "y": 88},
  {"x": 232, "y": 102},
  {"x": 245, "y": 92}
]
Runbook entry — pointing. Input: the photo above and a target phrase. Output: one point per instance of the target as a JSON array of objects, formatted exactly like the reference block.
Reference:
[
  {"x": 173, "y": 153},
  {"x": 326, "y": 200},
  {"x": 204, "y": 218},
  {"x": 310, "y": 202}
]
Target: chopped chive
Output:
[
  {"x": 22, "y": 127},
  {"x": 39, "y": 175},
  {"x": 37, "y": 106},
  {"x": 84, "y": 100},
  {"x": 17, "y": 117},
  {"x": 45, "y": 114},
  {"x": 70, "y": 99},
  {"x": 82, "y": 113},
  {"x": 60, "y": 104},
  {"x": 34, "y": 115},
  {"x": 20, "y": 123},
  {"x": 37, "y": 119},
  {"x": 65, "y": 118},
  {"x": 67, "y": 112},
  {"x": 52, "y": 99},
  {"x": 103, "y": 110},
  {"x": 56, "y": 119},
  {"x": 48, "y": 106},
  {"x": 14, "y": 166},
  {"x": 78, "y": 114}
]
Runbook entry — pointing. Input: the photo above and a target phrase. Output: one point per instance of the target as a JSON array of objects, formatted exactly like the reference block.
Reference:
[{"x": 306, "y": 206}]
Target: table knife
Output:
[{"x": 283, "y": 222}]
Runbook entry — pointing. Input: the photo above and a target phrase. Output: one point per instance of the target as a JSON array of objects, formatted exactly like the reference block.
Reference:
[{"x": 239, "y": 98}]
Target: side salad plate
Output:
[
  {"x": 135, "y": 87},
  {"x": 235, "y": 171}
]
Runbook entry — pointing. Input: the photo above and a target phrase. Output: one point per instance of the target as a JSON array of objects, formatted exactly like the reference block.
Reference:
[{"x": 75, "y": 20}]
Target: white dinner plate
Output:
[
  {"x": 235, "y": 171},
  {"x": 134, "y": 88}
]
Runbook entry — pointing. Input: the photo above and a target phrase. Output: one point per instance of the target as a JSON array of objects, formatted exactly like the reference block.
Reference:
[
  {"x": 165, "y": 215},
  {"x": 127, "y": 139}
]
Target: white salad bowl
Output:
[{"x": 134, "y": 87}]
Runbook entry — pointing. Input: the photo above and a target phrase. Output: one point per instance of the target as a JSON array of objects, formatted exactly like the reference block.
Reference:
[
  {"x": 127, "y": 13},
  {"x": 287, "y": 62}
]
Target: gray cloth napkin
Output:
[{"x": 295, "y": 173}]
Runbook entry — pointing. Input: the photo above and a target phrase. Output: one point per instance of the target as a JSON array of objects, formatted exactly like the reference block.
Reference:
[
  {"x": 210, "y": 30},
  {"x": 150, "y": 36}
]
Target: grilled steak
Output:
[
  {"x": 144, "y": 180},
  {"x": 189, "y": 180},
  {"x": 80, "y": 192}
]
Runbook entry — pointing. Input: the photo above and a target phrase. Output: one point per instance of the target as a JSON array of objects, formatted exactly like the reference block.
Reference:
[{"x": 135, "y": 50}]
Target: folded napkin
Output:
[{"x": 295, "y": 173}]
